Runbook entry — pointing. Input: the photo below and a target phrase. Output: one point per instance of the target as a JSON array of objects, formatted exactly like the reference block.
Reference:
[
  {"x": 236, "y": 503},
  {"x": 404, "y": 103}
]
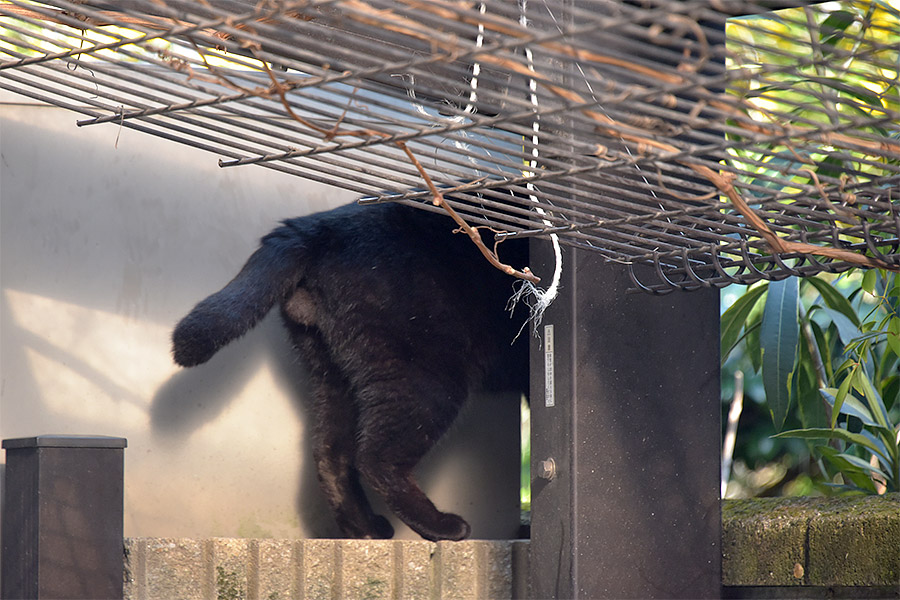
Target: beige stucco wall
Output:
[{"x": 108, "y": 237}]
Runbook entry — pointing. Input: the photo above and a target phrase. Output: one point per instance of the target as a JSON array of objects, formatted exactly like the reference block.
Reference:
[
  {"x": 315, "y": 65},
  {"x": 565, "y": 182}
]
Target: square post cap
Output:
[{"x": 66, "y": 441}]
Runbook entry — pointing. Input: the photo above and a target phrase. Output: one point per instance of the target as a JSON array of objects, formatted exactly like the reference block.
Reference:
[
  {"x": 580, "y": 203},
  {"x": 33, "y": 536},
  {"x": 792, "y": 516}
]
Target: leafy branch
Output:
[{"x": 850, "y": 398}]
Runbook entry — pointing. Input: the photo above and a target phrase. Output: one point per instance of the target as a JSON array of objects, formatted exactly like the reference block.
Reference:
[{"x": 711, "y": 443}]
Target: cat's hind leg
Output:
[
  {"x": 334, "y": 433},
  {"x": 395, "y": 433}
]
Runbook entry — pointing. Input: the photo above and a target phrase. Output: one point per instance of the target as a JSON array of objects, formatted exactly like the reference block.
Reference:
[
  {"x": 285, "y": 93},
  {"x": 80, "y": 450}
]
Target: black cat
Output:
[{"x": 397, "y": 319}]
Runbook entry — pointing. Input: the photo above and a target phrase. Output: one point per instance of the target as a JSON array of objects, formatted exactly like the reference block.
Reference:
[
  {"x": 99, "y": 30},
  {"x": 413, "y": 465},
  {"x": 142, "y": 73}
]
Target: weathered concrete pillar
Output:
[{"x": 62, "y": 517}]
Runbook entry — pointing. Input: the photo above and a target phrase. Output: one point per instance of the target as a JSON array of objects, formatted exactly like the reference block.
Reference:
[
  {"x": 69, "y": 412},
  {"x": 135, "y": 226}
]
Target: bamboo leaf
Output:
[{"x": 779, "y": 337}]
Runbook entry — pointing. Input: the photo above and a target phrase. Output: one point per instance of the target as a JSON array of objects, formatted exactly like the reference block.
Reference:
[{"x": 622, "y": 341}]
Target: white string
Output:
[{"x": 537, "y": 299}]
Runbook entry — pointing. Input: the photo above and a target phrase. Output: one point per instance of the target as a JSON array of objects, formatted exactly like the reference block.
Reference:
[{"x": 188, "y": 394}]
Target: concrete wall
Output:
[
  {"x": 772, "y": 548},
  {"x": 233, "y": 569},
  {"x": 108, "y": 237}
]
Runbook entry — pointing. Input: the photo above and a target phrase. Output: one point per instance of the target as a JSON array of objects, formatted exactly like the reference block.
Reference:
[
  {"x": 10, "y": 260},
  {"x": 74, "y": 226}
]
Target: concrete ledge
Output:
[
  {"x": 812, "y": 541},
  {"x": 772, "y": 548},
  {"x": 237, "y": 569}
]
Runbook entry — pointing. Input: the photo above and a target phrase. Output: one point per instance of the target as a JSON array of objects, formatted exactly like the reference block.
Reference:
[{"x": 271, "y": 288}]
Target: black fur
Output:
[{"x": 397, "y": 319}]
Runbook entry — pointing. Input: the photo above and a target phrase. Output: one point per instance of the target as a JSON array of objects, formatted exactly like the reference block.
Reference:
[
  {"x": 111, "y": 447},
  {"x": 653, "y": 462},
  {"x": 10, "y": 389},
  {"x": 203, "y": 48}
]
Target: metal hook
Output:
[
  {"x": 755, "y": 273},
  {"x": 679, "y": 285},
  {"x": 690, "y": 271},
  {"x": 717, "y": 265},
  {"x": 656, "y": 291}
]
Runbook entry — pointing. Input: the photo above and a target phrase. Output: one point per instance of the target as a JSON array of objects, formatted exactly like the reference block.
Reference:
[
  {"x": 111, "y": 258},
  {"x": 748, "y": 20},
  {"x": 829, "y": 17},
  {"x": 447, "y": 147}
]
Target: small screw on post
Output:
[{"x": 547, "y": 469}]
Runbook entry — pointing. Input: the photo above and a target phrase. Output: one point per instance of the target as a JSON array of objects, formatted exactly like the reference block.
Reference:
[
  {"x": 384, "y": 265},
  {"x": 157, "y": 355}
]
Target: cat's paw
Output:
[{"x": 448, "y": 527}]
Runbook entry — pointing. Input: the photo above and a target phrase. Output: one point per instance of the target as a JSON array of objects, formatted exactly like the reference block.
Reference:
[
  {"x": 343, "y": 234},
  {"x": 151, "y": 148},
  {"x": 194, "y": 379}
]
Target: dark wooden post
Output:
[
  {"x": 625, "y": 439},
  {"x": 62, "y": 517}
]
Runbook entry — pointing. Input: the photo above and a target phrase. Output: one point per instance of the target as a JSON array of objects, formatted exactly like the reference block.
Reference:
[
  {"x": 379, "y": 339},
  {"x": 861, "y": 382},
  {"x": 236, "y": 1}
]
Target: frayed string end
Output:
[{"x": 535, "y": 298}]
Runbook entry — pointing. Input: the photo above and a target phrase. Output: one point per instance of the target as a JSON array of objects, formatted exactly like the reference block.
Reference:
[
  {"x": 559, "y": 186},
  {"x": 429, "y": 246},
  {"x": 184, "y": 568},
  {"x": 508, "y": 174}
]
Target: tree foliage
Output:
[
  {"x": 826, "y": 349},
  {"x": 829, "y": 351}
]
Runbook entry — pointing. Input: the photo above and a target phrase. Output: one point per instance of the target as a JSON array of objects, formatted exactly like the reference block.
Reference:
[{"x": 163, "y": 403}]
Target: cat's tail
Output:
[{"x": 269, "y": 276}]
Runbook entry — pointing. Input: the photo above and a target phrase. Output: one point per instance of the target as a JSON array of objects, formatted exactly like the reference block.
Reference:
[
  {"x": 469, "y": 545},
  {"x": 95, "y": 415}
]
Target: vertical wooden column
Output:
[
  {"x": 625, "y": 439},
  {"x": 62, "y": 517}
]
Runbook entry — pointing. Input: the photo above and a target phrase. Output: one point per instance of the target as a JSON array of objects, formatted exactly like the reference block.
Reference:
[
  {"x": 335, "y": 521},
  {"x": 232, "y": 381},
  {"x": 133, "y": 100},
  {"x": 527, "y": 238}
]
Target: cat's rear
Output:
[{"x": 397, "y": 319}]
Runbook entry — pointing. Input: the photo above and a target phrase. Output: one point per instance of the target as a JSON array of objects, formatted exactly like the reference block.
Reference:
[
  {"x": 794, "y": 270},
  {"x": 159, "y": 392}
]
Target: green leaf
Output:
[
  {"x": 809, "y": 403},
  {"x": 885, "y": 456},
  {"x": 864, "y": 385},
  {"x": 852, "y": 88},
  {"x": 754, "y": 351},
  {"x": 734, "y": 319},
  {"x": 850, "y": 406},
  {"x": 869, "y": 280},
  {"x": 831, "y": 166},
  {"x": 834, "y": 299},
  {"x": 839, "y": 398},
  {"x": 847, "y": 329},
  {"x": 890, "y": 391},
  {"x": 893, "y": 335},
  {"x": 824, "y": 348},
  {"x": 824, "y": 433},
  {"x": 831, "y": 28},
  {"x": 863, "y": 465},
  {"x": 850, "y": 471},
  {"x": 779, "y": 337}
]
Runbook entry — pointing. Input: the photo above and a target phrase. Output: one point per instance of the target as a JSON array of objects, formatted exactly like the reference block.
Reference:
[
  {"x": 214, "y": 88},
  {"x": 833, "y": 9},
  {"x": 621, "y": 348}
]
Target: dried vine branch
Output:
[{"x": 472, "y": 232}]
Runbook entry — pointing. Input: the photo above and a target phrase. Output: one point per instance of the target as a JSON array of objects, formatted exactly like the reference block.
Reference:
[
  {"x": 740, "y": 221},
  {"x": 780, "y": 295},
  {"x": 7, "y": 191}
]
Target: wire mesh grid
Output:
[{"x": 712, "y": 140}]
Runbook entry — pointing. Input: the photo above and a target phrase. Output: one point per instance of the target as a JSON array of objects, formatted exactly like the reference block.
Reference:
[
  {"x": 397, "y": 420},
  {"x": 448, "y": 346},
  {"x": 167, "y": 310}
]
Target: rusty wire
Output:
[{"x": 768, "y": 152}]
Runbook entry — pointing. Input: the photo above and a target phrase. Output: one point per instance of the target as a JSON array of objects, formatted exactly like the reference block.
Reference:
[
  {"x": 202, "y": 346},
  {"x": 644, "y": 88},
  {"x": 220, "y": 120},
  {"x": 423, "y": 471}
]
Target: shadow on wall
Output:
[
  {"x": 104, "y": 247},
  {"x": 193, "y": 397}
]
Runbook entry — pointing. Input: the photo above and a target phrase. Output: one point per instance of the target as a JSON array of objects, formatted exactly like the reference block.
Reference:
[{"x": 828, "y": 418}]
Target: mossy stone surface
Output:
[
  {"x": 763, "y": 541},
  {"x": 856, "y": 543},
  {"x": 846, "y": 541}
]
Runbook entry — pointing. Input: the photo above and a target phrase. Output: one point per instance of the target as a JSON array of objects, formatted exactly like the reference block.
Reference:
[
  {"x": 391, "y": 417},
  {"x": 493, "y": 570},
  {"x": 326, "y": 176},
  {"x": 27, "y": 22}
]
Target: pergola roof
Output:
[{"x": 634, "y": 129}]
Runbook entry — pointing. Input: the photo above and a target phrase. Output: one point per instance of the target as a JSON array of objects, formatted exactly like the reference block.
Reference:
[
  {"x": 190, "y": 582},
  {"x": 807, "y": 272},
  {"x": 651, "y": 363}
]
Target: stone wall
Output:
[
  {"x": 233, "y": 569},
  {"x": 771, "y": 548},
  {"x": 843, "y": 542}
]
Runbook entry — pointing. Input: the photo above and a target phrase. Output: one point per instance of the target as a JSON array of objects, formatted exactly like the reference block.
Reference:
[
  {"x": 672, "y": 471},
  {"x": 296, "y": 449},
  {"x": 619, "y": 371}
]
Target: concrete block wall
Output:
[
  {"x": 775, "y": 547},
  {"x": 264, "y": 569}
]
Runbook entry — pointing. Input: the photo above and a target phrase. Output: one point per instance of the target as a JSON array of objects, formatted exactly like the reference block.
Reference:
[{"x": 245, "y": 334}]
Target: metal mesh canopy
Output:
[{"x": 711, "y": 140}]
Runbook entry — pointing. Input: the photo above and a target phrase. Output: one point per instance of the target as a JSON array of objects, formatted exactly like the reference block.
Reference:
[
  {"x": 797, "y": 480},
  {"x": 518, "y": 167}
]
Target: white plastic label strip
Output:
[{"x": 549, "y": 391}]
